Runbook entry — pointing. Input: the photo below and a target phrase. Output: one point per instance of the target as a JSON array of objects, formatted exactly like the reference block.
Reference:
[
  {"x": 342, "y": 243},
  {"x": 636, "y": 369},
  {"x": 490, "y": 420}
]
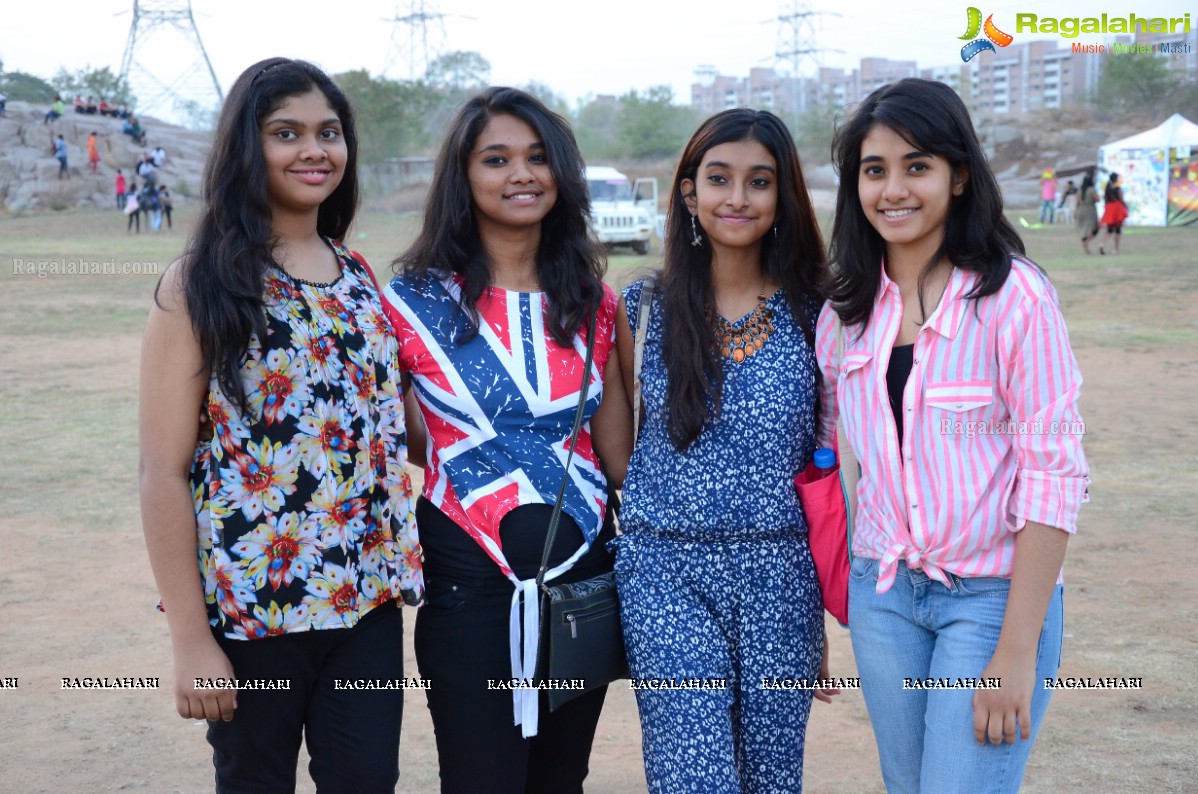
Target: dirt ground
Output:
[{"x": 76, "y": 594}]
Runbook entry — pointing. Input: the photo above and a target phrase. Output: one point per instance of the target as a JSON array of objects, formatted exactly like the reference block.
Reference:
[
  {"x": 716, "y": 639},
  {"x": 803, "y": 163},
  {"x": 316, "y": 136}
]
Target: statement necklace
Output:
[{"x": 751, "y": 337}]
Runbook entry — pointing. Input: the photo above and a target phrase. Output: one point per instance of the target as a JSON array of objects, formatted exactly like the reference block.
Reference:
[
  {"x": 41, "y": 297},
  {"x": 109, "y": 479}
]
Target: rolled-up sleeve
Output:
[
  {"x": 1041, "y": 386},
  {"x": 826, "y": 331}
]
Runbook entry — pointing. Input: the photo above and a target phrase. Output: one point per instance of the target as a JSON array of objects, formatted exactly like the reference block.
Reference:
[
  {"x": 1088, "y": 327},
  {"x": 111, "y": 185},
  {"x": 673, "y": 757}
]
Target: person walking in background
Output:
[
  {"x": 1087, "y": 211},
  {"x": 938, "y": 324},
  {"x": 60, "y": 151},
  {"x": 1068, "y": 203},
  {"x": 146, "y": 170},
  {"x": 1048, "y": 196},
  {"x": 3, "y": 104},
  {"x": 279, "y": 525},
  {"x": 152, "y": 205},
  {"x": 164, "y": 198},
  {"x": 713, "y": 564},
  {"x": 93, "y": 153},
  {"x": 132, "y": 209},
  {"x": 493, "y": 308},
  {"x": 1114, "y": 213},
  {"x": 120, "y": 190}
]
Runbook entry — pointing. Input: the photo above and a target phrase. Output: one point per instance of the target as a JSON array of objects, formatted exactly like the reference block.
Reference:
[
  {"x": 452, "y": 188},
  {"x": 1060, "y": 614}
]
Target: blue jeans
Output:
[
  {"x": 1048, "y": 208},
  {"x": 920, "y": 629}
]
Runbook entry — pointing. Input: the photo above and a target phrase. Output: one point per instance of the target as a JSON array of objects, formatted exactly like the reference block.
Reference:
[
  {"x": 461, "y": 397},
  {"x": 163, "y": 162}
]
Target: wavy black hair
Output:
[
  {"x": 1112, "y": 191},
  {"x": 932, "y": 118},
  {"x": 570, "y": 262},
  {"x": 232, "y": 246},
  {"x": 793, "y": 257}
]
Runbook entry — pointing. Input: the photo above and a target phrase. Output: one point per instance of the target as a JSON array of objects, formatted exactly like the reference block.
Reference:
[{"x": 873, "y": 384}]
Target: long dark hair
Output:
[
  {"x": 570, "y": 263},
  {"x": 932, "y": 118},
  {"x": 232, "y": 246},
  {"x": 794, "y": 258},
  {"x": 1087, "y": 182},
  {"x": 1112, "y": 192}
]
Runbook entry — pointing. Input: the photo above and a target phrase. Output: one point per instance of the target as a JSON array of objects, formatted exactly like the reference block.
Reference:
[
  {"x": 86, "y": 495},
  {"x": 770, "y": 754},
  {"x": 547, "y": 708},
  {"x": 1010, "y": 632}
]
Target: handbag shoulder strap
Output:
[
  {"x": 850, "y": 467},
  {"x": 648, "y": 287},
  {"x": 561, "y": 491}
]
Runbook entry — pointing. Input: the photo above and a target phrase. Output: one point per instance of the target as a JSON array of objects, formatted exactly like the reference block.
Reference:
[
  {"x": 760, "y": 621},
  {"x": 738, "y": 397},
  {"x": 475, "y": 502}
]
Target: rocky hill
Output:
[{"x": 29, "y": 172}]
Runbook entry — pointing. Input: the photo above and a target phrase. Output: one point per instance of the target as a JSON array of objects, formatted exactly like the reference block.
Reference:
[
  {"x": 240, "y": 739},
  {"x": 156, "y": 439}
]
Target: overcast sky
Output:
[{"x": 608, "y": 48}]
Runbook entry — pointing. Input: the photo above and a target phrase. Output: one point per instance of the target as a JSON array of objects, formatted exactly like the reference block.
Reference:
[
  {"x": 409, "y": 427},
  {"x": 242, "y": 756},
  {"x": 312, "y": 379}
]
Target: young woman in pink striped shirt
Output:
[{"x": 944, "y": 352}]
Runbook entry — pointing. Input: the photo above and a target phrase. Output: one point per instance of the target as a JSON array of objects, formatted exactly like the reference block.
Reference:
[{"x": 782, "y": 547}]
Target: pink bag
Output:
[{"x": 825, "y": 504}]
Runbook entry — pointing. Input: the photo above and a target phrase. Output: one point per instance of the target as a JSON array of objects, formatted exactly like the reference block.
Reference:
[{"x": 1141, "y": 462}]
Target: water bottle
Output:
[{"x": 824, "y": 461}]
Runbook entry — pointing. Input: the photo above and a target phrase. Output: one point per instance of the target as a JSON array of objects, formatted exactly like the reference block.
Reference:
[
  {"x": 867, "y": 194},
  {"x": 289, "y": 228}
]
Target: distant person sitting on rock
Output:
[
  {"x": 56, "y": 110},
  {"x": 122, "y": 112},
  {"x": 80, "y": 107},
  {"x": 60, "y": 151},
  {"x": 91, "y": 107},
  {"x": 93, "y": 153},
  {"x": 133, "y": 129},
  {"x": 105, "y": 108},
  {"x": 158, "y": 156}
]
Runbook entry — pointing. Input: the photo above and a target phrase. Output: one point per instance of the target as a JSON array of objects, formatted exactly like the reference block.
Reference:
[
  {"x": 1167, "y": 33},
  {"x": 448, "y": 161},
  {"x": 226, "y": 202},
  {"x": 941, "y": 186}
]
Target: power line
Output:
[{"x": 163, "y": 88}]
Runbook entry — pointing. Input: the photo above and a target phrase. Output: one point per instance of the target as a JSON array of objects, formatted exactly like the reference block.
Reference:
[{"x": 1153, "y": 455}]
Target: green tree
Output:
[
  {"x": 596, "y": 126},
  {"x": 99, "y": 83},
  {"x": 651, "y": 125},
  {"x": 553, "y": 100},
  {"x": 1133, "y": 83},
  {"x": 24, "y": 87},
  {"x": 390, "y": 115},
  {"x": 814, "y": 130},
  {"x": 459, "y": 72}
]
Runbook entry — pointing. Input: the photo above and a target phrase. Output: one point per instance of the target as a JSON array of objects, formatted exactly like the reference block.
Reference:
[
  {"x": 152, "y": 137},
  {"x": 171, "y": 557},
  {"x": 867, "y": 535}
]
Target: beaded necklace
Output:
[{"x": 744, "y": 343}]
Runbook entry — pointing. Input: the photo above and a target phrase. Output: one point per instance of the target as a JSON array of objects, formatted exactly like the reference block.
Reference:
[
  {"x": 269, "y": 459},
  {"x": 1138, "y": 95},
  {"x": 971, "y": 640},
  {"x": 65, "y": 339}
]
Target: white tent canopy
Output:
[{"x": 1155, "y": 170}]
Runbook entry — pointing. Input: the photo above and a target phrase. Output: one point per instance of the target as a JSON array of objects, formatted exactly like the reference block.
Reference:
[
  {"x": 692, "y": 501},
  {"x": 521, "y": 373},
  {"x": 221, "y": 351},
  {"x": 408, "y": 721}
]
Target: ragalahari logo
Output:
[{"x": 976, "y": 45}]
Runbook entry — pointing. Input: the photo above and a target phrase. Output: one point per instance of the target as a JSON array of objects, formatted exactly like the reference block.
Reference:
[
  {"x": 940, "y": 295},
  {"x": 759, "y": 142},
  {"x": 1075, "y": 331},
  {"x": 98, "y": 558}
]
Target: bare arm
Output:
[
  {"x": 624, "y": 349},
  {"x": 999, "y": 713},
  {"x": 171, "y": 394},
  {"x": 611, "y": 426},
  {"x": 417, "y": 431}
]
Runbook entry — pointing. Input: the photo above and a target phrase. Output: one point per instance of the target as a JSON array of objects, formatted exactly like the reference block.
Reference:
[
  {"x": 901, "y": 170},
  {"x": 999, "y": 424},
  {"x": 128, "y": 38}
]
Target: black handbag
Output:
[{"x": 582, "y": 643}]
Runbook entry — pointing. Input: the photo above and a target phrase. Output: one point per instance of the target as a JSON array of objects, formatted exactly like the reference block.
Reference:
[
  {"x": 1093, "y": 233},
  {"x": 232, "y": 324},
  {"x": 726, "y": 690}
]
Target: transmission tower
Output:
[
  {"x": 165, "y": 63},
  {"x": 417, "y": 37},
  {"x": 797, "y": 48}
]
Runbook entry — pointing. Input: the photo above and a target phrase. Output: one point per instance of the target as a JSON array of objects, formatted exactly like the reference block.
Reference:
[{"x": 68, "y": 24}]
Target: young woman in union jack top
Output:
[{"x": 492, "y": 307}]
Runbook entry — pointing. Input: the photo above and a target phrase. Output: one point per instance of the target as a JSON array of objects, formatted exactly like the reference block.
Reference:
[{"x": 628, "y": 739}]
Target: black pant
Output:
[
  {"x": 134, "y": 218},
  {"x": 462, "y": 641},
  {"x": 352, "y": 734}
]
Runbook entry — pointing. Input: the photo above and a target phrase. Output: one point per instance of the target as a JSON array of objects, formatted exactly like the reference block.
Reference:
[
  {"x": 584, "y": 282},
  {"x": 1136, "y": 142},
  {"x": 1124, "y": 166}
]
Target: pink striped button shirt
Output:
[{"x": 992, "y": 436}]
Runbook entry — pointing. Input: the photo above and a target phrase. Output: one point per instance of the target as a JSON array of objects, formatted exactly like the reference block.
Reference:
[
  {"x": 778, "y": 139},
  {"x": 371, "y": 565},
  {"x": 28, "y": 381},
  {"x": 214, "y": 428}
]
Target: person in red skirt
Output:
[{"x": 1114, "y": 213}]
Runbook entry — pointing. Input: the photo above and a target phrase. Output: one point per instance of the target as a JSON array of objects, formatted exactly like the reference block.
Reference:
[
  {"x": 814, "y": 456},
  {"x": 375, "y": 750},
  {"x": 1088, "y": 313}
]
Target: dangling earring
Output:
[
  {"x": 697, "y": 240},
  {"x": 775, "y": 231}
]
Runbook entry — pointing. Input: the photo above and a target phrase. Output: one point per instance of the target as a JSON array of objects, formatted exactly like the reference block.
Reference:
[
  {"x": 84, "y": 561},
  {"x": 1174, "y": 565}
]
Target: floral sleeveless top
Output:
[{"x": 304, "y": 508}]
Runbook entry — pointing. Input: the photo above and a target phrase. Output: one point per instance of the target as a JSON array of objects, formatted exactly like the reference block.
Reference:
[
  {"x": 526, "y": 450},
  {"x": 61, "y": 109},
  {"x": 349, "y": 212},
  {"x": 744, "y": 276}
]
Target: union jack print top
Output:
[{"x": 500, "y": 407}]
